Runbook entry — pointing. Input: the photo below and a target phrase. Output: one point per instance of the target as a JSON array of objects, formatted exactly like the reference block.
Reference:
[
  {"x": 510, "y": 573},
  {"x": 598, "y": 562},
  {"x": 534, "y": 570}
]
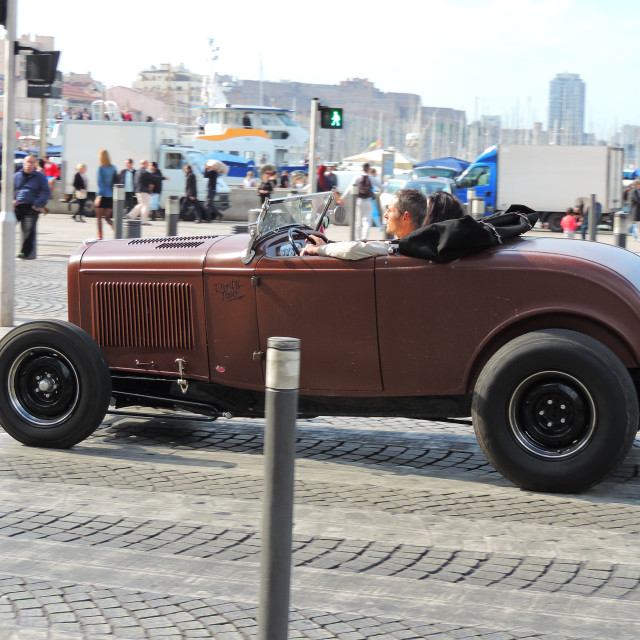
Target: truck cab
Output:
[{"x": 482, "y": 176}]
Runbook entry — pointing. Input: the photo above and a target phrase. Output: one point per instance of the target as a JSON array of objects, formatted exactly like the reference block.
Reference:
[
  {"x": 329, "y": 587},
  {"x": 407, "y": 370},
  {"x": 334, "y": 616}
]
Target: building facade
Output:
[
  {"x": 179, "y": 88},
  {"x": 566, "y": 109}
]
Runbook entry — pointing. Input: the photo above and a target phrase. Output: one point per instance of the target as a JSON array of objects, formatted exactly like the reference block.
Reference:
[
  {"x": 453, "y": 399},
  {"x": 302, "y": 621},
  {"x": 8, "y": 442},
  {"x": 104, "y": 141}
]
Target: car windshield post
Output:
[
  {"x": 307, "y": 210},
  {"x": 304, "y": 210}
]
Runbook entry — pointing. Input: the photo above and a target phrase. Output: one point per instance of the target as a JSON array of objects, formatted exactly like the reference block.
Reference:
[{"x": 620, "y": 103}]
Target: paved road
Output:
[{"x": 150, "y": 528}]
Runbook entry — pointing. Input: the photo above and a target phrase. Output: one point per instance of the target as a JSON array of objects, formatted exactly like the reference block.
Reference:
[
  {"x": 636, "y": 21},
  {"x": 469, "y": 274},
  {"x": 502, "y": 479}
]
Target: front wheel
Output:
[
  {"x": 555, "y": 411},
  {"x": 55, "y": 386}
]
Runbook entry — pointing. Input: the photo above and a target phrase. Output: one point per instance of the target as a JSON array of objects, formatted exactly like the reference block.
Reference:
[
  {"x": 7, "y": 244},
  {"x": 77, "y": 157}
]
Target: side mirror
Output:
[{"x": 339, "y": 214}]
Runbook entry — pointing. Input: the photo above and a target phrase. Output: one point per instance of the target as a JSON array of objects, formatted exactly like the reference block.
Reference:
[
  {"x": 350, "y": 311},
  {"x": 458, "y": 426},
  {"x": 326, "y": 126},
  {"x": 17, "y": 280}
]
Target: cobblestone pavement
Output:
[{"x": 151, "y": 528}]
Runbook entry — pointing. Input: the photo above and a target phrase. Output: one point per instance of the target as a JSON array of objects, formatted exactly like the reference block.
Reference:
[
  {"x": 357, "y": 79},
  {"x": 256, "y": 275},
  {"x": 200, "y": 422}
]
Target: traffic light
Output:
[
  {"x": 3, "y": 12},
  {"x": 330, "y": 118}
]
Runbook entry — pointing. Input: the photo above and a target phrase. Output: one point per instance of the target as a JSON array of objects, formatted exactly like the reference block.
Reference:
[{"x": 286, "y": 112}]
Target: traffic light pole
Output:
[
  {"x": 43, "y": 128},
  {"x": 7, "y": 215},
  {"x": 313, "y": 145}
]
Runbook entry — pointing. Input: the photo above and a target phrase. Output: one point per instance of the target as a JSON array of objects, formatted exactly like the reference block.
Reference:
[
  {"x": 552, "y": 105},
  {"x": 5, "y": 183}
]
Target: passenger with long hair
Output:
[{"x": 442, "y": 206}]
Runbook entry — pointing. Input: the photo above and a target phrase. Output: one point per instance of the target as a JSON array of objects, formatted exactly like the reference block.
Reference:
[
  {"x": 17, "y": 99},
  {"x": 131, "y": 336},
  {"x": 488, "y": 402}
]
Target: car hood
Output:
[{"x": 175, "y": 253}]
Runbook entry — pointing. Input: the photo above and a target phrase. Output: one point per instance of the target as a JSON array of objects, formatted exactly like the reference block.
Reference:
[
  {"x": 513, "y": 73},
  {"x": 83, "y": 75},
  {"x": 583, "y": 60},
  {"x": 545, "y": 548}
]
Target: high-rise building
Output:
[{"x": 566, "y": 109}]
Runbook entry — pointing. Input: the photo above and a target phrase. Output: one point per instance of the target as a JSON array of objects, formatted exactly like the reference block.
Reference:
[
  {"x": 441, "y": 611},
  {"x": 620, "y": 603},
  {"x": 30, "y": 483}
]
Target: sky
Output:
[{"x": 487, "y": 57}]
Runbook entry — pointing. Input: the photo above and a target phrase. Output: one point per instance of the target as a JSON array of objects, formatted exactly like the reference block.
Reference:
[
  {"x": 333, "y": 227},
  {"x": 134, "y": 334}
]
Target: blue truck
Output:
[{"x": 546, "y": 178}]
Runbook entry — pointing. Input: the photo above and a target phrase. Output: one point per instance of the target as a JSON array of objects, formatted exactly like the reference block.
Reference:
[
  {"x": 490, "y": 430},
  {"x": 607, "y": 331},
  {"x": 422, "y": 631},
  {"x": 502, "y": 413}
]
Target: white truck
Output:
[
  {"x": 81, "y": 140},
  {"x": 548, "y": 178}
]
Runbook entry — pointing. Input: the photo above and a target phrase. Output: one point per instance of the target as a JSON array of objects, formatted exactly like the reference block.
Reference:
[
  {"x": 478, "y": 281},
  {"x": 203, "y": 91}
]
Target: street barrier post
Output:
[
  {"x": 593, "y": 219},
  {"x": 620, "y": 226},
  {"x": 477, "y": 208},
  {"x": 281, "y": 405},
  {"x": 134, "y": 228},
  {"x": 355, "y": 222},
  {"x": 173, "y": 213},
  {"x": 118, "y": 208},
  {"x": 471, "y": 194}
]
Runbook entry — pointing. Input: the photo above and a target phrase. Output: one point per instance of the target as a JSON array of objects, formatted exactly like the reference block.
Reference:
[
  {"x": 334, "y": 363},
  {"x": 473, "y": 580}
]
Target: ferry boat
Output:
[{"x": 265, "y": 135}]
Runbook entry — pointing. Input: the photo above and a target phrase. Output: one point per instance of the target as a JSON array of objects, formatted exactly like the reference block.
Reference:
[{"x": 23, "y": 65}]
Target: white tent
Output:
[{"x": 375, "y": 157}]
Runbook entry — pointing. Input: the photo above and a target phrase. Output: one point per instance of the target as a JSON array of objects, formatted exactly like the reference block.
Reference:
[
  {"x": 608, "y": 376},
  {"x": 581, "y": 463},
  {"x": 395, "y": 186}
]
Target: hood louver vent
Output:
[
  {"x": 173, "y": 242},
  {"x": 151, "y": 315}
]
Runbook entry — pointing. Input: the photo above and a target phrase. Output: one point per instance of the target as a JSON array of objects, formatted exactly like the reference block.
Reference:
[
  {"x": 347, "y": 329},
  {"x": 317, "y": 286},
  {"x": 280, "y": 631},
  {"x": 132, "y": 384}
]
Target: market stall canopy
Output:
[
  {"x": 53, "y": 151},
  {"x": 375, "y": 157},
  {"x": 449, "y": 162},
  {"x": 229, "y": 158}
]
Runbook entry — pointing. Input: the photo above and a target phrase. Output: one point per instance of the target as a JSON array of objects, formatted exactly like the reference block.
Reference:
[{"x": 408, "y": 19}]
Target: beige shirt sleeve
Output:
[{"x": 355, "y": 250}]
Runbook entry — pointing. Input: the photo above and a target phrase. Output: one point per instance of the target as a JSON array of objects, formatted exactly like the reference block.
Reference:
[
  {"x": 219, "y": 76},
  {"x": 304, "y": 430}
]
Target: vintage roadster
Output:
[{"x": 538, "y": 340}]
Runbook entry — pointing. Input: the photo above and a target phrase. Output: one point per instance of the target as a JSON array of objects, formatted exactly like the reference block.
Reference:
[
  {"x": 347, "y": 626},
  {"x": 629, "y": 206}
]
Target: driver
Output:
[{"x": 408, "y": 210}]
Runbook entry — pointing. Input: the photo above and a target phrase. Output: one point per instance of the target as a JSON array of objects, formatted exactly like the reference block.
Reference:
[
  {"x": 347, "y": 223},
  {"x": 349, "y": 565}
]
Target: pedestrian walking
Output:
[
  {"x": 191, "y": 196},
  {"x": 31, "y": 193},
  {"x": 80, "y": 191},
  {"x": 104, "y": 195},
  {"x": 210, "y": 209},
  {"x": 633, "y": 199},
  {"x": 144, "y": 188},
  {"x": 363, "y": 186},
  {"x": 128, "y": 179},
  {"x": 569, "y": 224},
  {"x": 265, "y": 187}
]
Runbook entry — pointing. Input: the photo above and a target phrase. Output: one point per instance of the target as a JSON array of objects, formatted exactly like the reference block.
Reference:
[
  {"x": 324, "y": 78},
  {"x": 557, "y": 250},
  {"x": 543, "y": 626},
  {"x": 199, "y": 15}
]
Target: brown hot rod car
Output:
[{"x": 538, "y": 340}]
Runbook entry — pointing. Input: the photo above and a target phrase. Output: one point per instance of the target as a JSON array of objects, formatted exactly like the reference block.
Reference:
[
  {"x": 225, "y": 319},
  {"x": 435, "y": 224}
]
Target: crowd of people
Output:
[
  {"x": 33, "y": 186},
  {"x": 143, "y": 187}
]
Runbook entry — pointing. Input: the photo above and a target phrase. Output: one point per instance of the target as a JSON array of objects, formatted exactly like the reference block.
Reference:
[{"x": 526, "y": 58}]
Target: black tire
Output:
[
  {"x": 55, "y": 386},
  {"x": 554, "y": 221},
  {"x": 555, "y": 411}
]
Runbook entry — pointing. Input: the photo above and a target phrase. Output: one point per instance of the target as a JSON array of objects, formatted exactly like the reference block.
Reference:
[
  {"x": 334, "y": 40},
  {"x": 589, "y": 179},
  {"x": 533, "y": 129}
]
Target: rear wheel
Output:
[
  {"x": 55, "y": 386},
  {"x": 554, "y": 221},
  {"x": 555, "y": 411}
]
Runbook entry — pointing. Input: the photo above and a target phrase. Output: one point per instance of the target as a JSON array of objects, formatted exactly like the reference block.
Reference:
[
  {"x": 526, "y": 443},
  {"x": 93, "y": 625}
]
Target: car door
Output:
[
  {"x": 329, "y": 305},
  {"x": 425, "y": 325}
]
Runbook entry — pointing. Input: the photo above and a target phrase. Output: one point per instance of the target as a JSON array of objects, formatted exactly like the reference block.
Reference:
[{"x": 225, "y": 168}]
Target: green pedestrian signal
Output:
[{"x": 330, "y": 118}]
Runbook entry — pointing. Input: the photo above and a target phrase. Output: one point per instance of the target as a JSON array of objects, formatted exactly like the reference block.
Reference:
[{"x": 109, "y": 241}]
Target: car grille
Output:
[{"x": 139, "y": 314}]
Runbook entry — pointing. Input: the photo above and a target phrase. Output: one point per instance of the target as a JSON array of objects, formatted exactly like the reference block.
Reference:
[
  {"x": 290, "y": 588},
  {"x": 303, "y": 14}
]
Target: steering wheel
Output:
[{"x": 308, "y": 236}]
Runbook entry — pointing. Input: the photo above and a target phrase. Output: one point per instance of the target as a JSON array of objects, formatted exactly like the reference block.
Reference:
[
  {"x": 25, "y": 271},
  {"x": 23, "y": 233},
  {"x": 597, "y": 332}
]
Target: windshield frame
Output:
[
  {"x": 322, "y": 201},
  {"x": 285, "y": 213}
]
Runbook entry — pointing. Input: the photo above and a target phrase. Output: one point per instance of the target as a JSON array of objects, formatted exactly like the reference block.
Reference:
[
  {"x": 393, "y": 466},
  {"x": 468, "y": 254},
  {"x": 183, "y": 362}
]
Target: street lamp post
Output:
[{"x": 7, "y": 215}]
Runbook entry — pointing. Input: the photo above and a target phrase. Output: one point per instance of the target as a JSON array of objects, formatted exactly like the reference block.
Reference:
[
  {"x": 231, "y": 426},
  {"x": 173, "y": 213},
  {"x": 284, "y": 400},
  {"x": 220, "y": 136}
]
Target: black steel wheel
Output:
[
  {"x": 555, "y": 411},
  {"x": 55, "y": 386}
]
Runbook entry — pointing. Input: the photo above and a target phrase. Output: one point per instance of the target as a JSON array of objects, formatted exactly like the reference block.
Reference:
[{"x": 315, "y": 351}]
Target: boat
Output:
[{"x": 266, "y": 135}]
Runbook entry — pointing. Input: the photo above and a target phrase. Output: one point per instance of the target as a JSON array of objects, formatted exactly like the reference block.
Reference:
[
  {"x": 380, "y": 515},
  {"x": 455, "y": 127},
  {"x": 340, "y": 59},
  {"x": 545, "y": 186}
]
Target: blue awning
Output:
[
  {"x": 229, "y": 159},
  {"x": 449, "y": 162}
]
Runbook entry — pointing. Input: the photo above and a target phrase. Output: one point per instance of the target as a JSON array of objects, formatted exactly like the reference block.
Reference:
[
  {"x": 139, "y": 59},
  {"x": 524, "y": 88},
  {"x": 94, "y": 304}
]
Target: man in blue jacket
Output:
[{"x": 31, "y": 192}]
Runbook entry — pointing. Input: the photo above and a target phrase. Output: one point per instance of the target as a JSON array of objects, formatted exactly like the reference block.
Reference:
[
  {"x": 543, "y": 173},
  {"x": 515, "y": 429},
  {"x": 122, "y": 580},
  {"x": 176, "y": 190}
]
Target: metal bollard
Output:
[
  {"x": 477, "y": 208},
  {"x": 173, "y": 213},
  {"x": 471, "y": 194},
  {"x": 592, "y": 226},
  {"x": 134, "y": 228},
  {"x": 118, "y": 209},
  {"x": 354, "y": 222},
  {"x": 281, "y": 405},
  {"x": 620, "y": 226}
]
